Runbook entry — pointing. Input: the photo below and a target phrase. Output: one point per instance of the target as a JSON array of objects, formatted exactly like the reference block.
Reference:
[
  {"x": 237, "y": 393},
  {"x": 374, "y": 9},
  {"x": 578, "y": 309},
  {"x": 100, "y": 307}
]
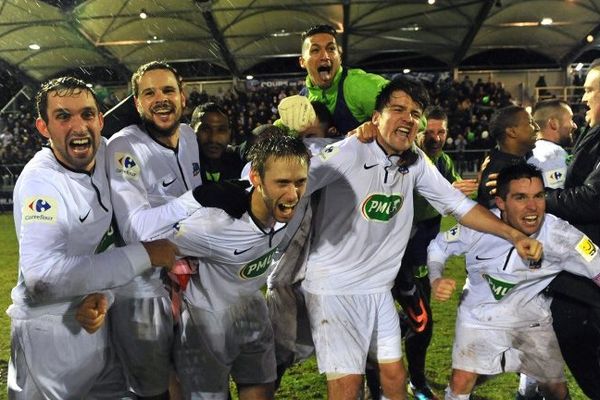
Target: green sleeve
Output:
[
  {"x": 450, "y": 172},
  {"x": 360, "y": 91}
]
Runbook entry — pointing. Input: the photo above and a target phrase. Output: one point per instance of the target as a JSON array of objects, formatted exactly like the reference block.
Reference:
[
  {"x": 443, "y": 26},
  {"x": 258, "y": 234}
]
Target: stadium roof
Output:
[{"x": 225, "y": 38}]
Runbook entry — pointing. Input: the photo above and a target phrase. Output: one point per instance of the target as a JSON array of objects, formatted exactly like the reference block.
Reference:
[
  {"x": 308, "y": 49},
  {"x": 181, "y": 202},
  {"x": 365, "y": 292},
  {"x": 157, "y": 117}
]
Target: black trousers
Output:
[{"x": 576, "y": 321}]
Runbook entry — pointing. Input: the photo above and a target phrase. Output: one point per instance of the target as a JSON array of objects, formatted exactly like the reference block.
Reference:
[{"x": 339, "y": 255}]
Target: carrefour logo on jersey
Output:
[
  {"x": 127, "y": 165},
  {"x": 381, "y": 207},
  {"x": 40, "y": 209},
  {"x": 257, "y": 267},
  {"x": 498, "y": 287}
]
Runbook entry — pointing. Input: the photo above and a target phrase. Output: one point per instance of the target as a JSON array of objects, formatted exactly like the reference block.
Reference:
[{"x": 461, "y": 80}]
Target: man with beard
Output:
[
  {"x": 67, "y": 260},
  {"x": 153, "y": 169},
  {"x": 349, "y": 94},
  {"x": 225, "y": 328},
  {"x": 361, "y": 226},
  {"x": 515, "y": 132},
  {"x": 217, "y": 162},
  {"x": 555, "y": 119}
]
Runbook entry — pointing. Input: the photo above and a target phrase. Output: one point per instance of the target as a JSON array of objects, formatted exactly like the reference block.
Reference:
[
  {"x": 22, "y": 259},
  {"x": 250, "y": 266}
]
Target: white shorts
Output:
[
  {"x": 52, "y": 357},
  {"x": 213, "y": 345},
  {"x": 142, "y": 332},
  {"x": 533, "y": 351},
  {"x": 347, "y": 329}
]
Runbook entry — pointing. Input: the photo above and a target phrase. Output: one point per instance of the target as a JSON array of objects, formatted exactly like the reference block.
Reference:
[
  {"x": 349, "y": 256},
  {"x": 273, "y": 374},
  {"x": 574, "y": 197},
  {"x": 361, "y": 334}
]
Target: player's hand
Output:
[
  {"x": 161, "y": 252},
  {"x": 296, "y": 112},
  {"x": 466, "y": 186},
  {"x": 366, "y": 132},
  {"x": 528, "y": 248},
  {"x": 492, "y": 183},
  {"x": 442, "y": 288},
  {"x": 229, "y": 196},
  {"x": 92, "y": 312}
]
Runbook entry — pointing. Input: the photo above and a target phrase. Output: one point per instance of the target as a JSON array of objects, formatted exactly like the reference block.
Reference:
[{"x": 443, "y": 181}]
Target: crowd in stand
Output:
[{"x": 469, "y": 107}]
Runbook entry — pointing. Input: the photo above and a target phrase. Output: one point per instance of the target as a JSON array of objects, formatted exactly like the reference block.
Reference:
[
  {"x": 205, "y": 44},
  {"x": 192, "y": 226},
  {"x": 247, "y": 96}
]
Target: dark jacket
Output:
[
  {"x": 228, "y": 167},
  {"x": 579, "y": 204},
  {"x": 579, "y": 201}
]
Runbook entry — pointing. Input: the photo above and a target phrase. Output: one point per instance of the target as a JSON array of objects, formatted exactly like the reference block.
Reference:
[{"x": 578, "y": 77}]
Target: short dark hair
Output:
[
  {"x": 514, "y": 172},
  {"x": 63, "y": 86},
  {"x": 503, "y": 118},
  {"x": 412, "y": 87},
  {"x": 313, "y": 30},
  {"x": 436, "y": 113},
  {"x": 205, "y": 108},
  {"x": 153, "y": 65},
  {"x": 546, "y": 109},
  {"x": 275, "y": 143}
]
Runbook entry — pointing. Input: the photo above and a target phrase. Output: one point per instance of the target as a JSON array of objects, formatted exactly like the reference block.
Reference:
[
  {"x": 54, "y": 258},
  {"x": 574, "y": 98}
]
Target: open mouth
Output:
[
  {"x": 163, "y": 110},
  {"x": 80, "y": 145},
  {"x": 324, "y": 72},
  {"x": 530, "y": 220},
  {"x": 286, "y": 209},
  {"x": 403, "y": 130}
]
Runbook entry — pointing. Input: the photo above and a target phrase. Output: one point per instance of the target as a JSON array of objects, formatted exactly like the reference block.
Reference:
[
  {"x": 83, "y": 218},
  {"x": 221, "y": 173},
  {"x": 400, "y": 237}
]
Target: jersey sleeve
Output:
[
  {"x": 137, "y": 219},
  {"x": 432, "y": 185},
  {"x": 573, "y": 250},
  {"x": 49, "y": 268},
  {"x": 331, "y": 164},
  {"x": 455, "y": 241}
]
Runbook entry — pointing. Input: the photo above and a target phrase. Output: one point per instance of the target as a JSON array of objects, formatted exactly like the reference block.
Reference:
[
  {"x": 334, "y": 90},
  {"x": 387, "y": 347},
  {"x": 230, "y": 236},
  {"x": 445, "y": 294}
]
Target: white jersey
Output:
[
  {"x": 552, "y": 160},
  {"x": 364, "y": 217},
  {"x": 63, "y": 224},
  {"x": 234, "y": 256},
  {"x": 151, "y": 190},
  {"x": 502, "y": 290}
]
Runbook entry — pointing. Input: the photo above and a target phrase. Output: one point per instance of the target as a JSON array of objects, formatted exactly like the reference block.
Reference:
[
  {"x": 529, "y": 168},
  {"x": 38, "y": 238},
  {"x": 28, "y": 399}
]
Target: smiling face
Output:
[
  {"x": 213, "y": 134},
  {"x": 566, "y": 126},
  {"x": 525, "y": 205},
  {"x": 74, "y": 128},
  {"x": 278, "y": 192},
  {"x": 397, "y": 123},
  {"x": 160, "y": 102},
  {"x": 321, "y": 59},
  {"x": 435, "y": 136},
  {"x": 525, "y": 131}
]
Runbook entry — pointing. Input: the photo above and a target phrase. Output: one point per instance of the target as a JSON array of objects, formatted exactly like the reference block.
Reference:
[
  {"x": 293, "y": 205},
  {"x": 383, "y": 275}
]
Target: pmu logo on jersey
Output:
[
  {"x": 108, "y": 240},
  {"x": 587, "y": 248},
  {"x": 127, "y": 165},
  {"x": 381, "y": 207},
  {"x": 499, "y": 287},
  {"x": 257, "y": 267},
  {"x": 40, "y": 209}
]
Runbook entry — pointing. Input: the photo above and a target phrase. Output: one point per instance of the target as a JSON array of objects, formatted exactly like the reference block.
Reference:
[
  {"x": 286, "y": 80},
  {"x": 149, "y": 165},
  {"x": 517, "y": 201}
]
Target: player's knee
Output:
[{"x": 450, "y": 395}]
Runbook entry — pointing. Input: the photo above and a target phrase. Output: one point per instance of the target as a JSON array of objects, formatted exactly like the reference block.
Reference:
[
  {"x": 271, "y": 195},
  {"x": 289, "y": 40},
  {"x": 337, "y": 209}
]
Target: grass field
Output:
[{"x": 302, "y": 382}]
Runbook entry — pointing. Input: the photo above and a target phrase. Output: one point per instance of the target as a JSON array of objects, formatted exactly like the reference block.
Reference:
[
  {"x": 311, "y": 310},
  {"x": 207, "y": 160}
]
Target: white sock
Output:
[
  {"x": 527, "y": 386},
  {"x": 451, "y": 396}
]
